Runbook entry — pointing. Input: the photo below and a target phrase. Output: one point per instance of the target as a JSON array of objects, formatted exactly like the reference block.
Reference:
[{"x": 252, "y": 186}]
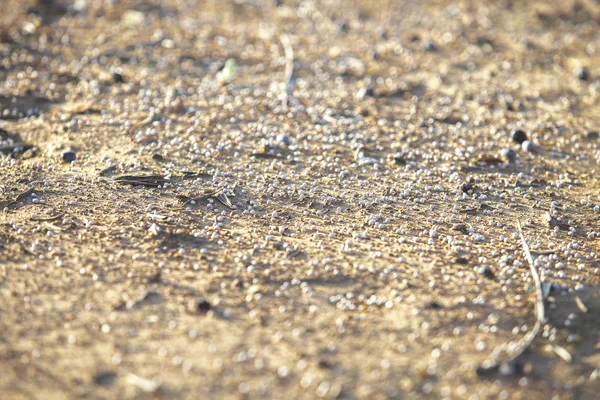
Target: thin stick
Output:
[
  {"x": 540, "y": 312},
  {"x": 289, "y": 65},
  {"x": 289, "y": 58},
  {"x": 526, "y": 341},
  {"x": 48, "y": 219}
]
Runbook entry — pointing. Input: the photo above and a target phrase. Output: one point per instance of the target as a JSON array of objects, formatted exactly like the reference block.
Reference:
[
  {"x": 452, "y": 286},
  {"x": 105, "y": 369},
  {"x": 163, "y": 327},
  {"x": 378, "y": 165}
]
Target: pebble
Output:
[
  {"x": 344, "y": 26},
  {"x": 203, "y": 306},
  {"x": 486, "y": 272},
  {"x": 430, "y": 45},
  {"x": 118, "y": 77},
  {"x": 434, "y": 305},
  {"x": 593, "y": 135},
  {"x": 399, "y": 159},
  {"x": 284, "y": 139},
  {"x": 519, "y": 136},
  {"x": 509, "y": 154},
  {"x": 528, "y": 146},
  {"x": 106, "y": 378},
  {"x": 69, "y": 156},
  {"x": 465, "y": 187},
  {"x": 383, "y": 34},
  {"x": 583, "y": 74},
  {"x": 366, "y": 92}
]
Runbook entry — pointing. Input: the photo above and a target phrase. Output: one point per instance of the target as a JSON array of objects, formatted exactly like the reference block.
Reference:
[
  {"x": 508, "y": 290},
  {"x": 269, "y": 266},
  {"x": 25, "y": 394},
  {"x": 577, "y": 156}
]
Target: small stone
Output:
[
  {"x": 486, "y": 272},
  {"x": 434, "y": 305},
  {"x": 528, "y": 146},
  {"x": 203, "y": 306},
  {"x": 383, "y": 34},
  {"x": 69, "y": 156},
  {"x": 284, "y": 139},
  {"x": 107, "y": 378},
  {"x": 461, "y": 260},
  {"x": 344, "y": 26},
  {"x": 366, "y": 92},
  {"x": 592, "y": 135},
  {"x": 118, "y": 77},
  {"x": 510, "y": 155},
  {"x": 519, "y": 136},
  {"x": 583, "y": 74},
  {"x": 466, "y": 187},
  {"x": 399, "y": 159},
  {"x": 430, "y": 45}
]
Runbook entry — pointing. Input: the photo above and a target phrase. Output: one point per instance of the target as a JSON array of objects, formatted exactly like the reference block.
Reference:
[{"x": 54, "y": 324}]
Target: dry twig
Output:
[
  {"x": 289, "y": 66},
  {"x": 48, "y": 219},
  {"x": 525, "y": 342},
  {"x": 142, "y": 180}
]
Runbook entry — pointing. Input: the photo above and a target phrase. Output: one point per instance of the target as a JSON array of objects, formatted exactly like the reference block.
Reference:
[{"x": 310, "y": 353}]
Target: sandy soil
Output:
[{"x": 335, "y": 220}]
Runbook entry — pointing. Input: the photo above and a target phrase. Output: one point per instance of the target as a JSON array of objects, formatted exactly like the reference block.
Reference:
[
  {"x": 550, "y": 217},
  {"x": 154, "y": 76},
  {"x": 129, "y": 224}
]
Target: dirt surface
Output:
[{"x": 335, "y": 219}]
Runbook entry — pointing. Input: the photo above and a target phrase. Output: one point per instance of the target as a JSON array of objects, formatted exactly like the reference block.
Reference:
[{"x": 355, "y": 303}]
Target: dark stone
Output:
[
  {"x": 203, "y": 306},
  {"x": 366, "y": 92},
  {"x": 509, "y": 154},
  {"x": 461, "y": 260},
  {"x": 430, "y": 45},
  {"x": 155, "y": 278},
  {"x": 325, "y": 364},
  {"x": 485, "y": 371},
  {"x": 519, "y": 136},
  {"x": 583, "y": 74},
  {"x": 118, "y": 77},
  {"x": 592, "y": 135},
  {"x": 399, "y": 159},
  {"x": 465, "y": 187},
  {"x": 344, "y": 26},
  {"x": 487, "y": 273},
  {"x": 106, "y": 378},
  {"x": 69, "y": 156},
  {"x": 434, "y": 305}
]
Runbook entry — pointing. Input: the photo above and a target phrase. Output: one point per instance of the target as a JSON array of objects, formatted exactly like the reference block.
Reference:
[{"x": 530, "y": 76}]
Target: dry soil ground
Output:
[{"x": 345, "y": 228}]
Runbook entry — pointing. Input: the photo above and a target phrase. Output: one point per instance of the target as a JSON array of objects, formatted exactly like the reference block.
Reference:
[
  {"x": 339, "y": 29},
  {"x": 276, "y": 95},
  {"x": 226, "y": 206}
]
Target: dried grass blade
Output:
[{"x": 524, "y": 343}]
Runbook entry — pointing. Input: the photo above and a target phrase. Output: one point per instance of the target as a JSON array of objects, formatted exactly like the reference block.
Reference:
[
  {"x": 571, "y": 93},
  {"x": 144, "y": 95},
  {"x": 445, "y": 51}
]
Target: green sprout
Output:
[{"x": 227, "y": 74}]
